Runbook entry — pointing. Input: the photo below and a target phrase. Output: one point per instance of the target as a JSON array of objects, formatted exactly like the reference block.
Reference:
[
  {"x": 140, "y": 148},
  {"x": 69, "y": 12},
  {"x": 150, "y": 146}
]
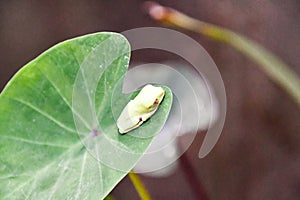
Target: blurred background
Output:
[{"x": 258, "y": 153}]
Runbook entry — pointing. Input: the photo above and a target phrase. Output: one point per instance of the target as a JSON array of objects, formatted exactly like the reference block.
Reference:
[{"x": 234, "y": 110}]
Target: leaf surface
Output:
[{"x": 58, "y": 133}]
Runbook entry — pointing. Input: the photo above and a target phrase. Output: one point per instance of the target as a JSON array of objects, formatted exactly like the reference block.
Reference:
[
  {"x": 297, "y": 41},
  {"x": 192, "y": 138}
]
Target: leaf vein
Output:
[
  {"x": 62, "y": 125},
  {"x": 81, "y": 176},
  {"x": 33, "y": 142},
  {"x": 74, "y": 111}
]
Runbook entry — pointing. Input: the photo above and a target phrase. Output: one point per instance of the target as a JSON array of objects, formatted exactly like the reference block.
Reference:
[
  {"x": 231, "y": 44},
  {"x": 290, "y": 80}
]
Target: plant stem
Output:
[
  {"x": 276, "y": 69},
  {"x": 139, "y": 186},
  {"x": 191, "y": 177}
]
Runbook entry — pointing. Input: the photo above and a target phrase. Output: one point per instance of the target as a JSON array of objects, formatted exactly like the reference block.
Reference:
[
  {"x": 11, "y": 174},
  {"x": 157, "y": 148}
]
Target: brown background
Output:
[{"x": 258, "y": 154}]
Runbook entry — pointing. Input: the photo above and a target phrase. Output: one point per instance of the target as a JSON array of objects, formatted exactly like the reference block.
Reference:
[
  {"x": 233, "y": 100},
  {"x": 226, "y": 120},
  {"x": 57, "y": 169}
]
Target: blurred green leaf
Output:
[
  {"x": 279, "y": 72},
  {"x": 58, "y": 136}
]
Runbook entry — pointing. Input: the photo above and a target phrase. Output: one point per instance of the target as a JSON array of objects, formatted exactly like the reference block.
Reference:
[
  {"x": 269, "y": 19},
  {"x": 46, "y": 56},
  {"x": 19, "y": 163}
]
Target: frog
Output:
[{"x": 141, "y": 108}]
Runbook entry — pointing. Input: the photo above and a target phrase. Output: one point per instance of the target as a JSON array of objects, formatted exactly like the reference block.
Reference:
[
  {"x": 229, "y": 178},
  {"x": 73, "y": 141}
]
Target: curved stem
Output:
[
  {"x": 190, "y": 175},
  {"x": 276, "y": 69},
  {"x": 139, "y": 186}
]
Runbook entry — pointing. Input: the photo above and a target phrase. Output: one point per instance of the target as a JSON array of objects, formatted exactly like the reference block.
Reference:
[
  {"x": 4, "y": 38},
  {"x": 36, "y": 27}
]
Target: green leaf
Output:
[
  {"x": 58, "y": 135},
  {"x": 278, "y": 71}
]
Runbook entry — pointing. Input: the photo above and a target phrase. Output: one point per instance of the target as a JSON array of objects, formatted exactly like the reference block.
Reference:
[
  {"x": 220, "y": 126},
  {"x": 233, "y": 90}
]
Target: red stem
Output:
[{"x": 191, "y": 177}]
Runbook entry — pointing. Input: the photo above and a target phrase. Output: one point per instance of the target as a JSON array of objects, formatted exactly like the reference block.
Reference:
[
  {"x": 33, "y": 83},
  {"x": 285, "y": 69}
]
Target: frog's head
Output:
[{"x": 150, "y": 97}]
